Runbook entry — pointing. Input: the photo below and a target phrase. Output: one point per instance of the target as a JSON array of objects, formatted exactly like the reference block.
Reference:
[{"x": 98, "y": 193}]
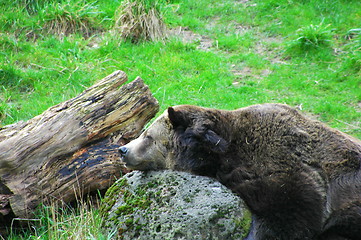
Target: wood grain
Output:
[{"x": 71, "y": 148}]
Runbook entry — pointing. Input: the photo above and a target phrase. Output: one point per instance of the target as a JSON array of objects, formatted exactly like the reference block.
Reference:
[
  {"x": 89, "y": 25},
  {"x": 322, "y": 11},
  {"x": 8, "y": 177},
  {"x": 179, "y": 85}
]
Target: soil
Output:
[
  {"x": 242, "y": 73},
  {"x": 188, "y": 36}
]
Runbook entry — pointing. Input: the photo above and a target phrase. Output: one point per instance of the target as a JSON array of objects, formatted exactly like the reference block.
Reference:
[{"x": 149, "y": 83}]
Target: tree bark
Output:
[{"x": 71, "y": 148}]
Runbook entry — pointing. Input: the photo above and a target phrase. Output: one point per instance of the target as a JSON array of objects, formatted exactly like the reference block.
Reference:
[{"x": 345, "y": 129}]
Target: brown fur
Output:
[{"x": 300, "y": 178}]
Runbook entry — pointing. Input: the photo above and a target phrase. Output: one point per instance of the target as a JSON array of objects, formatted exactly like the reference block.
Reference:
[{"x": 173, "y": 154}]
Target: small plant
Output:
[
  {"x": 313, "y": 36},
  {"x": 140, "y": 20}
]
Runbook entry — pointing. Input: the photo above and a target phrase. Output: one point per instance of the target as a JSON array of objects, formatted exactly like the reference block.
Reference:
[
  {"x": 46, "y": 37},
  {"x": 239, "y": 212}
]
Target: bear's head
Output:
[{"x": 182, "y": 138}]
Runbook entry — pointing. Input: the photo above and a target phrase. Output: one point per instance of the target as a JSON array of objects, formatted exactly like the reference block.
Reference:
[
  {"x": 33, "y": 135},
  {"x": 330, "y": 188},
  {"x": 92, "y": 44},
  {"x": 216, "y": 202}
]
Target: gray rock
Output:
[{"x": 173, "y": 205}]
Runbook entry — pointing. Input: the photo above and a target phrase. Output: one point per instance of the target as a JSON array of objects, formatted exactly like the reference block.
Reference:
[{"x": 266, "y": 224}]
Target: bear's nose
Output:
[{"x": 123, "y": 150}]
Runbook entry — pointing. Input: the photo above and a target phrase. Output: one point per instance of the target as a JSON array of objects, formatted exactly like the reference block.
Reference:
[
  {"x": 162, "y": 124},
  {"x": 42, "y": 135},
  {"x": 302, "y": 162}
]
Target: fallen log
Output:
[{"x": 71, "y": 148}]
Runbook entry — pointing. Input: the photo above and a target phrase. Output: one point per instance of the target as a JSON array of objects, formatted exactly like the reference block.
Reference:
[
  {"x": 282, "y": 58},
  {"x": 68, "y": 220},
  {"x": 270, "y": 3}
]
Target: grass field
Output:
[{"x": 227, "y": 54}]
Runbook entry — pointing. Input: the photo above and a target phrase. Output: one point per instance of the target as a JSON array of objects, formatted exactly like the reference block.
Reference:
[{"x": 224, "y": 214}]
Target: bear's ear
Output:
[
  {"x": 214, "y": 142},
  {"x": 177, "y": 118}
]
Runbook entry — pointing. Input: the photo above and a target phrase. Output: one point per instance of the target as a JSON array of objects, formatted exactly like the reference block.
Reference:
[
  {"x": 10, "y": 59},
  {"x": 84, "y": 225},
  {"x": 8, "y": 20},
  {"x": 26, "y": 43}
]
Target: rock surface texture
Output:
[{"x": 172, "y": 205}]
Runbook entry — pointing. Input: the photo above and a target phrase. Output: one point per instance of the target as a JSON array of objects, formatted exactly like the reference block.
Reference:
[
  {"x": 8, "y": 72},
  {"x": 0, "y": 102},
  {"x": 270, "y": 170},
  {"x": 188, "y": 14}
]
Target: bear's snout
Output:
[{"x": 123, "y": 151}]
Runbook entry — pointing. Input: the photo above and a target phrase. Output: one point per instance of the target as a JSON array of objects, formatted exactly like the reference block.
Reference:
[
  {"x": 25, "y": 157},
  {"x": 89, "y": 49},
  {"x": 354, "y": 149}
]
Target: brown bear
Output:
[{"x": 299, "y": 178}]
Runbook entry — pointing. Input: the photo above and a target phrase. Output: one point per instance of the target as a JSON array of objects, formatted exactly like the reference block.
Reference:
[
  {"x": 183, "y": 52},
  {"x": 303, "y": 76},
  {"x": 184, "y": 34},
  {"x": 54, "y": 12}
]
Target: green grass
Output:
[
  {"x": 312, "y": 37},
  {"x": 63, "y": 223},
  {"x": 303, "y": 53}
]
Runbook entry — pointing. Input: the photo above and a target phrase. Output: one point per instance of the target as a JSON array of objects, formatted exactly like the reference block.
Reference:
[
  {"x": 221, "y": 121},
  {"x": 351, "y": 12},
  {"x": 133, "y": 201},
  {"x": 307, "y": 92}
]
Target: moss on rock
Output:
[{"x": 172, "y": 205}]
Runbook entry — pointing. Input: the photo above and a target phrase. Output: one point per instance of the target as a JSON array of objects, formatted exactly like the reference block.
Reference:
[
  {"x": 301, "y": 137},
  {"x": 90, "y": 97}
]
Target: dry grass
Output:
[
  {"x": 65, "y": 27},
  {"x": 135, "y": 22},
  {"x": 66, "y": 18}
]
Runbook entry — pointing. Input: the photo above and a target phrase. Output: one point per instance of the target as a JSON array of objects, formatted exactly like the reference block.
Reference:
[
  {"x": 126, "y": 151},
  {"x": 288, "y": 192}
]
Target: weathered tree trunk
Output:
[{"x": 71, "y": 148}]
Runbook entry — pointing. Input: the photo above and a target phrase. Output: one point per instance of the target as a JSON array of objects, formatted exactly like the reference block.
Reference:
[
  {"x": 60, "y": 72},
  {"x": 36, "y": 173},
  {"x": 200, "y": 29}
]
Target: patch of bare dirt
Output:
[
  {"x": 245, "y": 75},
  {"x": 240, "y": 29},
  {"x": 264, "y": 47},
  {"x": 247, "y": 3},
  {"x": 187, "y": 36}
]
